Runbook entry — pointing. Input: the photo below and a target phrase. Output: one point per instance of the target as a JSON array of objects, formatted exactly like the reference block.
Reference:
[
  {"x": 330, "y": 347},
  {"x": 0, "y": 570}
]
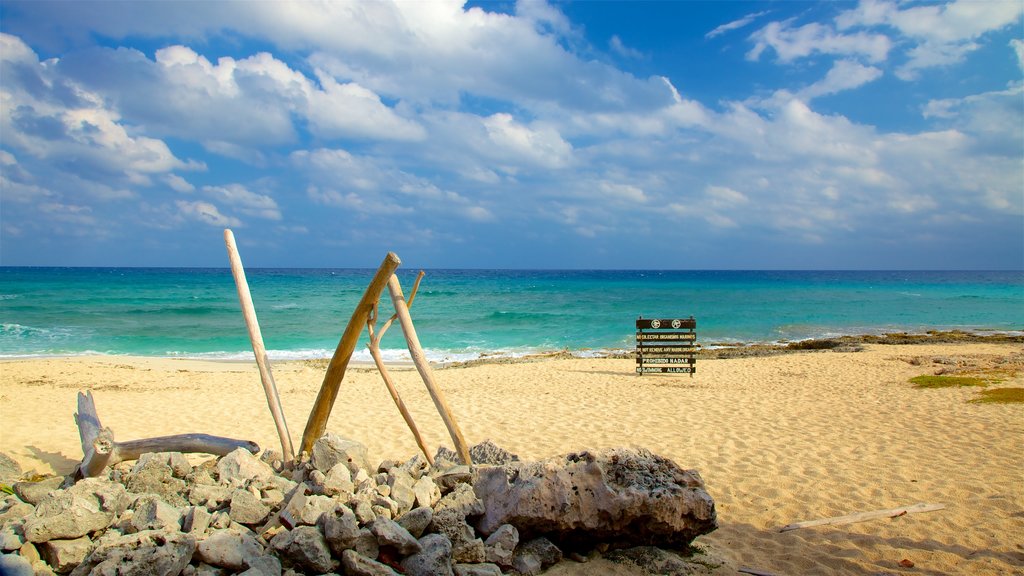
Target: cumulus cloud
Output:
[
  {"x": 944, "y": 33},
  {"x": 790, "y": 42},
  {"x": 245, "y": 201},
  {"x": 206, "y": 213}
]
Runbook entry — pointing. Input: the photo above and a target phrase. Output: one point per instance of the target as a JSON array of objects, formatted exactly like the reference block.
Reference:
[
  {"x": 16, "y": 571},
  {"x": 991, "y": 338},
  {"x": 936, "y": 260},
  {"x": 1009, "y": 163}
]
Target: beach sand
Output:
[{"x": 777, "y": 439}]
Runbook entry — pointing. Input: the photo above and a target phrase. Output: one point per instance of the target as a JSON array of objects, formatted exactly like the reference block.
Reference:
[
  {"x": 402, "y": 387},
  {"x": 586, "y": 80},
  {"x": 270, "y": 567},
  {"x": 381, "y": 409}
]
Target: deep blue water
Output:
[{"x": 463, "y": 313}]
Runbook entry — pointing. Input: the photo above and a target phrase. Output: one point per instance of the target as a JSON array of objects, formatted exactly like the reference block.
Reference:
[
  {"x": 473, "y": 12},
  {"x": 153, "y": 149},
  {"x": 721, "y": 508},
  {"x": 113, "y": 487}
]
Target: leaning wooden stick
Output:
[
  {"x": 862, "y": 516},
  {"x": 100, "y": 450},
  {"x": 420, "y": 360},
  {"x": 317, "y": 422},
  {"x": 374, "y": 347},
  {"x": 258, "y": 349}
]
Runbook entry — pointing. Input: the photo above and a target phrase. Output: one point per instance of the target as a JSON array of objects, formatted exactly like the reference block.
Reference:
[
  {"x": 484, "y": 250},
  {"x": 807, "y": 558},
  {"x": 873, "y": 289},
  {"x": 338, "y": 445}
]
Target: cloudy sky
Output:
[{"x": 680, "y": 135}]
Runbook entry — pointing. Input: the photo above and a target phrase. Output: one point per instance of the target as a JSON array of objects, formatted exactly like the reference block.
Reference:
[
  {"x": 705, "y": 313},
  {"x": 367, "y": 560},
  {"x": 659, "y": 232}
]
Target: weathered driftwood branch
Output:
[
  {"x": 258, "y": 349},
  {"x": 862, "y": 516},
  {"x": 317, "y": 422},
  {"x": 100, "y": 450},
  {"x": 420, "y": 360},
  {"x": 374, "y": 347}
]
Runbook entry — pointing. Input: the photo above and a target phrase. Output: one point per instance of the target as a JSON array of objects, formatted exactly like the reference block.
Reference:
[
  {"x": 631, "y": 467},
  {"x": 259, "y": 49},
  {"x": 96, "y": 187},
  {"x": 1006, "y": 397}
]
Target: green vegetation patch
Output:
[
  {"x": 929, "y": 381},
  {"x": 1000, "y": 396}
]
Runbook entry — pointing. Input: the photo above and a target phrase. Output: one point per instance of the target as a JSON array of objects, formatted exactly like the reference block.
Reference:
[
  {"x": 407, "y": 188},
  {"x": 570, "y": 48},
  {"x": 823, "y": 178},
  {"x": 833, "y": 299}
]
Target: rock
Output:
[
  {"x": 152, "y": 513},
  {"x": 462, "y": 501},
  {"x": 311, "y": 510},
  {"x": 148, "y": 553},
  {"x": 331, "y": 449},
  {"x": 484, "y": 569},
  {"x": 466, "y": 547},
  {"x": 390, "y": 533},
  {"x": 175, "y": 461},
  {"x": 12, "y": 536},
  {"x": 220, "y": 520},
  {"x": 154, "y": 475},
  {"x": 338, "y": 481},
  {"x": 402, "y": 490},
  {"x": 488, "y": 453},
  {"x": 90, "y": 505},
  {"x": 14, "y": 565},
  {"x": 623, "y": 495},
  {"x": 526, "y": 564},
  {"x": 14, "y": 509},
  {"x": 358, "y": 565},
  {"x": 64, "y": 555},
  {"x": 501, "y": 545},
  {"x": 240, "y": 467},
  {"x": 10, "y": 470},
  {"x": 263, "y": 566},
  {"x": 426, "y": 491},
  {"x": 417, "y": 520},
  {"x": 653, "y": 560},
  {"x": 341, "y": 530},
  {"x": 435, "y": 558},
  {"x": 195, "y": 521},
  {"x": 452, "y": 476},
  {"x": 247, "y": 508},
  {"x": 292, "y": 511},
  {"x": 308, "y": 549},
  {"x": 212, "y": 497},
  {"x": 366, "y": 544},
  {"x": 543, "y": 549},
  {"x": 362, "y": 505},
  {"x": 228, "y": 549},
  {"x": 34, "y": 492}
]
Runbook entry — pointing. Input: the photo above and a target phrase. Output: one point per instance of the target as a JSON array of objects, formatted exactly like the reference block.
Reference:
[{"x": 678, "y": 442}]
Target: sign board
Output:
[{"x": 666, "y": 345}]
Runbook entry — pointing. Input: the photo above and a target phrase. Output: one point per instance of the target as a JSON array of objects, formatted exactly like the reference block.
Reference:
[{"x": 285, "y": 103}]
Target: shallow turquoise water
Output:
[{"x": 460, "y": 314}]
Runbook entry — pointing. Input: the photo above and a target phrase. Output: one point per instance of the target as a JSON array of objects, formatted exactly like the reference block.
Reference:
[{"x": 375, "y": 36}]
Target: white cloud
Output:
[
  {"x": 341, "y": 110},
  {"x": 944, "y": 33},
  {"x": 540, "y": 145},
  {"x": 621, "y": 49},
  {"x": 1018, "y": 49},
  {"x": 245, "y": 201},
  {"x": 791, "y": 43},
  {"x": 844, "y": 75},
  {"x": 206, "y": 213},
  {"x": 178, "y": 184},
  {"x": 734, "y": 25}
]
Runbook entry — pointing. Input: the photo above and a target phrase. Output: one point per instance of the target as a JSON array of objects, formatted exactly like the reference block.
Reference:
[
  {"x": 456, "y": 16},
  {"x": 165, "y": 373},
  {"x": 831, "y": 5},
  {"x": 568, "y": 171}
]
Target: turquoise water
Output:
[{"x": 461, "y": 314}]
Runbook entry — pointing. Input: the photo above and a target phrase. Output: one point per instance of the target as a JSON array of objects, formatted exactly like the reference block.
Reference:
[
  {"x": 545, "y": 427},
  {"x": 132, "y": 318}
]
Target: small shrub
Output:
[
  {"x": 1000, "y": 396},
  {"x": 929, "y": 381}
]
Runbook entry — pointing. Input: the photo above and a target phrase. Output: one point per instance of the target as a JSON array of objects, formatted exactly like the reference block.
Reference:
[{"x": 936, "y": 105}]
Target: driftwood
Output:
[
  {"x": 863, "y": 516},
  {"x": 317, "y": 422},
  {"x": 420, "y": 360},
  {"x": 100, "y": 450},
  {"x": 258, "y": 349},
  {"x": 374, "y": 347}
]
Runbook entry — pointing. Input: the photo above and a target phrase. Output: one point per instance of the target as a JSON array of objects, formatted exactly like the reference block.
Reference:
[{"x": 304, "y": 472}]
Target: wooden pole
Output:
[
  {"x": 863, "y": 516},
  {"x": 258, "y": 349},
  {"x": 317, "y": 422},
  {"x": 420, "y": 360},
  {"x": 374, "y": 347}
]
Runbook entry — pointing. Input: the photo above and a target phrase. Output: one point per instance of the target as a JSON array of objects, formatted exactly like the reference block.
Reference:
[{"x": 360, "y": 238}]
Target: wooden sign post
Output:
[{"x": 666, "y": 345}]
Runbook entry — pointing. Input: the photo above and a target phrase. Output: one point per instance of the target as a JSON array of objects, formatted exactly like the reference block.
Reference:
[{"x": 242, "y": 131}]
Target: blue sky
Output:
[{"x": 799, "y": 135}]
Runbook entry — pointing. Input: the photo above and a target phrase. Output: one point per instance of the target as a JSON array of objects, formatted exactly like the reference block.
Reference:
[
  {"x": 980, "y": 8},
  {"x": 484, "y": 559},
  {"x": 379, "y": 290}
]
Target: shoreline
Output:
[
  {"x": 714, "y": 349},
  {"x": 777, "y": 438}
]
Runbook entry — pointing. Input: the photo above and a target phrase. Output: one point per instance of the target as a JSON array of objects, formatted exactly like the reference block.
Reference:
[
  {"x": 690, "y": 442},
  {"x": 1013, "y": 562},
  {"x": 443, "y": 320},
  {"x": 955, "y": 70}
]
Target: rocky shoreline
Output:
[{"x": 337, "y": 514}]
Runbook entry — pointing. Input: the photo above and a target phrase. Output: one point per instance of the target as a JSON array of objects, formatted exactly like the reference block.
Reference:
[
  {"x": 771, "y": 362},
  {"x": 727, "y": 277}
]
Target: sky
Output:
[{"x": 571, "y": 135}]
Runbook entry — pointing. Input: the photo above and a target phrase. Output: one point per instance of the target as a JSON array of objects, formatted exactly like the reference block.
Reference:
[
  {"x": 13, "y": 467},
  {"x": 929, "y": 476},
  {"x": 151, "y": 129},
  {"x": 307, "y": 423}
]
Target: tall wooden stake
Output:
[
  {"x": 258, "y": 349},
  {"x": 317, "y": 422},
  {"x": 374, "y": 347},
  {"x": 418, "y": 358}
]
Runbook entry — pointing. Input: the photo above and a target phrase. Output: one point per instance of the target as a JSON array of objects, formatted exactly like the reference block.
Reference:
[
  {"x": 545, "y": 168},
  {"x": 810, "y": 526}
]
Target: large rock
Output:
[
  {"x": 148, "y": 553},
  {"x": 88, "y": 506},
  {"x": 330, "y": 449},
  {"x": 625, "y": 496},
  {"x": 10, "y": 470},
  {"x": 435, "y": 559},
  {"x": 240, "y": 467},
  {"x": 64, "y": 555},
  {"x": 228, "y": 549},
  {"x": 34, "y": 492}
]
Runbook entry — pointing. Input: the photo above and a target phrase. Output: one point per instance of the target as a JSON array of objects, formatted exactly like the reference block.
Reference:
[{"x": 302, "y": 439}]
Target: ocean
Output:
[{"x": 467, "y": 314}]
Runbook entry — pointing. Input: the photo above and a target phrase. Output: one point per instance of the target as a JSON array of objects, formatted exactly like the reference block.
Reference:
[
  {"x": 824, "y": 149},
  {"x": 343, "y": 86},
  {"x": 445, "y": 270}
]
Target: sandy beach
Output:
[{"x": 777, "y": 439}]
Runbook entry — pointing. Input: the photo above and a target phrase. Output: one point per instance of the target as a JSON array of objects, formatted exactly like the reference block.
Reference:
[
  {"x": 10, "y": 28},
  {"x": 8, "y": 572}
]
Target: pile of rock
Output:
[{"x": 336, "y": 514}]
